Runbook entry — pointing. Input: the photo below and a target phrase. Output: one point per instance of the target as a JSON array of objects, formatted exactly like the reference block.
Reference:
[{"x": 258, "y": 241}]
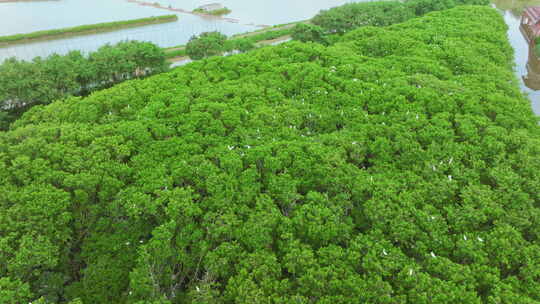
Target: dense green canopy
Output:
[
  {"x": 344, "y": 18},
  {"x": 43, "y": 80},
  {"x": 400, "y": 165}
]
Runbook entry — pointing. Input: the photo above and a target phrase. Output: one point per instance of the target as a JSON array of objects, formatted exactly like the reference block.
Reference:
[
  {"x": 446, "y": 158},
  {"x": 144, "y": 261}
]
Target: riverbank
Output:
[
  {"x": 258, "y": 38},
  {"x": 83, "y": 30}
]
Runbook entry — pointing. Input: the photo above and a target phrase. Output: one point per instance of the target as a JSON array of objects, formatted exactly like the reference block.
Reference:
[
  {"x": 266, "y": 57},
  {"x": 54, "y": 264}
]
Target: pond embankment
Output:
[
  {"x": 11, "y": 1},
  {"x": 83, "y": 30}
]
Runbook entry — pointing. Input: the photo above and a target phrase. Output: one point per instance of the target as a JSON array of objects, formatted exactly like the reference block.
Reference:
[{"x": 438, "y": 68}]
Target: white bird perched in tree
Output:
[
  {"x": 384, "y": 252},
  {"x": 464, "y": 237},
  {"x": 433, "y": 255},
  {"x": 450, "y": 177},
  {"x": 197, "y": 288}
]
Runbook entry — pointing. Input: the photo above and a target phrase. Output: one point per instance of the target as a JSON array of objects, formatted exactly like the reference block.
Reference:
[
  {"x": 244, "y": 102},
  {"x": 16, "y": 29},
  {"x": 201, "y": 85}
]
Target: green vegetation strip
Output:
[
  {"x": 233, "y": 42},
  {"x": 84, "y": 29},
  {"x": 218, "y": 12}
]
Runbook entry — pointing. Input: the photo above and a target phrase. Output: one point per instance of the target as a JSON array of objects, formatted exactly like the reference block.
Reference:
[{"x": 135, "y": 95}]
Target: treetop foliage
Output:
[
  {"x": 347, "y": 17},
  {"x": 399, "y": 165},
  {"x": 43, "y": 80},
  {"x": 205, "y": 45}
]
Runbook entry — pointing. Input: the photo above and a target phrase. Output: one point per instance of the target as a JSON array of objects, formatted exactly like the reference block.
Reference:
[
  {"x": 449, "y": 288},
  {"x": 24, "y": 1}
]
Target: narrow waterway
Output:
[{"x": 526, "y": 64}]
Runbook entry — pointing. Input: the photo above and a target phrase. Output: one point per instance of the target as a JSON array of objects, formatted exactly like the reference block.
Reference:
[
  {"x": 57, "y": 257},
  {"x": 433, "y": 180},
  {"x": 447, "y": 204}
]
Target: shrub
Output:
[
  {"x": 206, "y": 45},
  {"x": 43, "y": 80},
  {"x": 309, "y": 33},
  {"x": 344, "y": 18},
  {"x": 421, "y": 7},
  {"x": 349, "y": 16}
]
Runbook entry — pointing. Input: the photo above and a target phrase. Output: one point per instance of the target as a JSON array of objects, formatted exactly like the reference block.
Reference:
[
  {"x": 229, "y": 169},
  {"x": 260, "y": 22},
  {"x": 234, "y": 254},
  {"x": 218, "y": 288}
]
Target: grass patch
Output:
[
  {"x": 84, "y": 29},
  {"x": 175, "y": 53},
  {"x": 218, "y": 12}
]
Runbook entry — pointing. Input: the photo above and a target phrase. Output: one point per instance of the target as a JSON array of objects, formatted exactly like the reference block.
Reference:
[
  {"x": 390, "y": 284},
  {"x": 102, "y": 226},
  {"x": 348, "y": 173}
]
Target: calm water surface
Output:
[
  {"x": 24, "y": 17},
  {"x": 527, "y": 66}
]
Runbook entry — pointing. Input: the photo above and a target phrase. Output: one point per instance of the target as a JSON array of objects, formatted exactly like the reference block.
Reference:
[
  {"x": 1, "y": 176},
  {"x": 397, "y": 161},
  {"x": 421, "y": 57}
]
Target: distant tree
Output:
[
  {"x": 44, "y": 80},
  {"x": 4, "y": 120},
  {"x": 206, "y": 45},
  {"x": 344, "y": 18},
  {"x": 244, "y": 45},
  {"x": 421, "y": 7},
  {"x": 309, "y": 33}
]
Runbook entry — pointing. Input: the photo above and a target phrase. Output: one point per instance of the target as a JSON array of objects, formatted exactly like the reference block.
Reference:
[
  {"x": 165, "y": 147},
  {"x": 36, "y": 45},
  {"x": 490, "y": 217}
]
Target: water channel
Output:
[{"x": 24, "y": 17}]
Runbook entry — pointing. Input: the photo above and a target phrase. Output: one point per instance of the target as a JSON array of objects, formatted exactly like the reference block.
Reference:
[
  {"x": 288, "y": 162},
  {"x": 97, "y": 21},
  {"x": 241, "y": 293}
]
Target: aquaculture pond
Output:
[{"x": 25, "y": 17}]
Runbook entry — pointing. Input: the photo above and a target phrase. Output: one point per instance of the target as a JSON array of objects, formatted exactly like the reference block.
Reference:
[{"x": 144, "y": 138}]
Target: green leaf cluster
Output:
[
  {"x": 309, "y": 33},
  {"x": 205, "y": 45},
  {"x": 347, "y": 17},
  {"x": 43, "y": 80},
  {"x": 399, "y": 165}
]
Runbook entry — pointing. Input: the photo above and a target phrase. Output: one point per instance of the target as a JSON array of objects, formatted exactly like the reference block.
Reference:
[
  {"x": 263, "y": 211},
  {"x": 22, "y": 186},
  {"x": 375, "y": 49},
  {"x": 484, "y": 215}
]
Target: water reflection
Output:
[
  {"x": 527, "y": 65},
  {"x": 514, "y": 7}
]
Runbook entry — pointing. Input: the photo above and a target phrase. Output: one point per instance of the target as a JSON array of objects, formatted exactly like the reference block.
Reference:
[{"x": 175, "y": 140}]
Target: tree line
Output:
[
  {"x": 325, "y": 25},
  {"x": 24, "y": 84}
]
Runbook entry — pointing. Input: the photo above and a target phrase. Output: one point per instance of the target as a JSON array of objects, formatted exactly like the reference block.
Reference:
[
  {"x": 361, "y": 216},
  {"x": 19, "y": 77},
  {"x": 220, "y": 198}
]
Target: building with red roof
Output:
[{"x": 530, "y": 23}]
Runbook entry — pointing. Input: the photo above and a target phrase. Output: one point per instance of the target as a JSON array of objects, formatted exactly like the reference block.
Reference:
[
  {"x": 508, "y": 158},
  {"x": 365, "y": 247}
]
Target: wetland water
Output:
[
  {"x": 25, "y": 17},
  {"x": 527, "y": 66}
]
